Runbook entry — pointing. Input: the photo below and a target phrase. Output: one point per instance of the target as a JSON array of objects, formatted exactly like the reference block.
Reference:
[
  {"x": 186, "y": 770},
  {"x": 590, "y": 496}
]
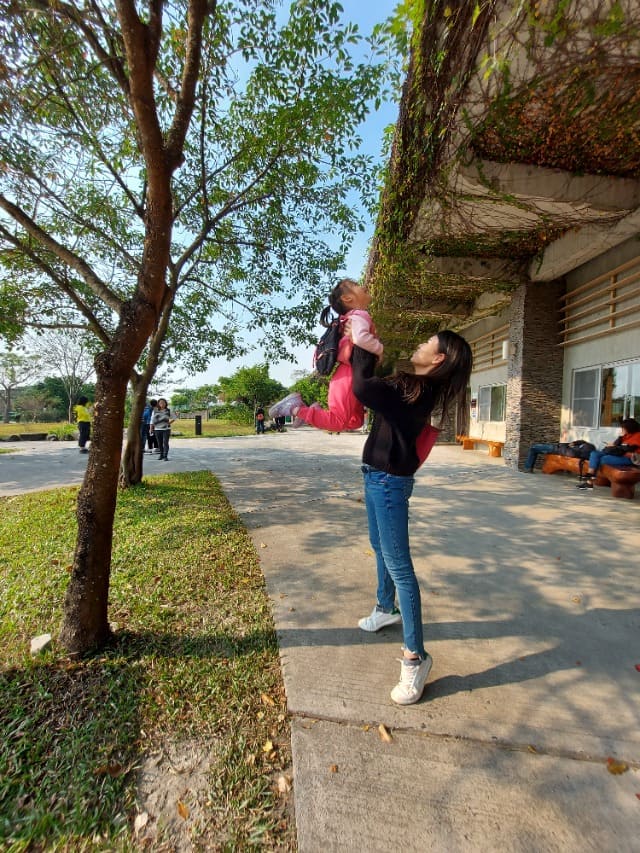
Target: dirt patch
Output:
[{"x": 174, "y": 796}]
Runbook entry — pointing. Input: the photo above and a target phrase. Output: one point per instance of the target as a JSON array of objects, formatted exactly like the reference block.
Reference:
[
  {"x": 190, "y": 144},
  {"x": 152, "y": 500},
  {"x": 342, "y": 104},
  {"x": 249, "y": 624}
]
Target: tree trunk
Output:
[
  {"x": 131, "y": 469},
  {"x": 132, "y": 460},
  {"x": 85, "y": 623}
]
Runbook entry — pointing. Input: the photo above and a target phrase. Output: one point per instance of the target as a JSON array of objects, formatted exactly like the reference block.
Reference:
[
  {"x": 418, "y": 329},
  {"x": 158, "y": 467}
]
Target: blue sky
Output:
[{"x": 366, "y": 15}]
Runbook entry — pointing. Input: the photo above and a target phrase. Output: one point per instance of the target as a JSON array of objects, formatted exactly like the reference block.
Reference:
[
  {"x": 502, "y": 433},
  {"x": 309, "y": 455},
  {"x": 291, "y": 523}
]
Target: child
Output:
[
  {"x": 83, "y": 417},
  {"x": 345, "y": 412}
]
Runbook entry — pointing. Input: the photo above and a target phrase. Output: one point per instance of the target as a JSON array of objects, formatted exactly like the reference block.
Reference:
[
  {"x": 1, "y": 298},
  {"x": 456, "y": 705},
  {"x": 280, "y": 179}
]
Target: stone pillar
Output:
[{"x": 534, "y": 384}]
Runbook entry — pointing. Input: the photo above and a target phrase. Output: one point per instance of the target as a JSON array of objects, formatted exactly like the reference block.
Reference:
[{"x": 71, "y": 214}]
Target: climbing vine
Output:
[{"x": 547, "y": 83}]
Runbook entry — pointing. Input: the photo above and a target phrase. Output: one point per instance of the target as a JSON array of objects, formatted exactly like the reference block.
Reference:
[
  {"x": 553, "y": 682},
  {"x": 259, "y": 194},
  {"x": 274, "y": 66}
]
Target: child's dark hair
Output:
[
  {"x": 82, "y": 401},
  {"x": 335, "y": 300},
  {"x": 449, "y": 380}
]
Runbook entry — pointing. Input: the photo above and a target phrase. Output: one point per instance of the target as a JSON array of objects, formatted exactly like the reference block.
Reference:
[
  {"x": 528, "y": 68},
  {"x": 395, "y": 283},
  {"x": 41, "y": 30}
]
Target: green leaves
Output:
[{"x": 270, "y": 173}]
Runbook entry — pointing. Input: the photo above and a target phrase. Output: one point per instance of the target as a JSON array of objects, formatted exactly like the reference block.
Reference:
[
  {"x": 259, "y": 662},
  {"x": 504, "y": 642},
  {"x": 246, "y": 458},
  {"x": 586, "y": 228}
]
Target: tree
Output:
[
  {"x": 251, "y": 385},
  {"x": 313, "y": 388},
  {"x": 180, "y": 195},
  {"x": 15, "y": 371},
  {"x": 268, "y": 167},
  {"x": 69, "y": 356}
]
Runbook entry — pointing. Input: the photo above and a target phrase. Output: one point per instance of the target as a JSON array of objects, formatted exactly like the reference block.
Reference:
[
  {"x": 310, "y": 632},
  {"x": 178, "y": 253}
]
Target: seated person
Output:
[
  {"x": 616, "y": 454},
  {"x": 536, "y": 449}
]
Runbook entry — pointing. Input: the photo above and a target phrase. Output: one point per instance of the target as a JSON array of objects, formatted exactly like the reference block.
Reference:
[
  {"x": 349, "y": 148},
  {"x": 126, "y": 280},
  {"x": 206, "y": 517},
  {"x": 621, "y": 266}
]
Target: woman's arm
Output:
[{"x": 372, "y": 392}]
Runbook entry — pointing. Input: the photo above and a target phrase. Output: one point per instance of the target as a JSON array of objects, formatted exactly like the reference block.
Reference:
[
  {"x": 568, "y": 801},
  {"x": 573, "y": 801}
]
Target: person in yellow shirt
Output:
[{"x": 83, "y": 417}]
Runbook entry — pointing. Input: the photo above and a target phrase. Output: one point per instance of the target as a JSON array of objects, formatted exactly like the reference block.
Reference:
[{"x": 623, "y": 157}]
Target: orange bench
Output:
[
  {"x": 622, "y": 480},
  {"x": 469, "y": 443}
]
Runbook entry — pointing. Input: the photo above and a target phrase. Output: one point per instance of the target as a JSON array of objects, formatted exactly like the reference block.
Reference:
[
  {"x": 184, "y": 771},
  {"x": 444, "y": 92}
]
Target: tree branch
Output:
[{"x": 69, "y": 258}]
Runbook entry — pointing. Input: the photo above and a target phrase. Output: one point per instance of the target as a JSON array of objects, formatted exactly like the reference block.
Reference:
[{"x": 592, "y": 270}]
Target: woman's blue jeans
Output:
[
  {"x": 387, "y": 501},
  {"x": 599, "y": 457}
]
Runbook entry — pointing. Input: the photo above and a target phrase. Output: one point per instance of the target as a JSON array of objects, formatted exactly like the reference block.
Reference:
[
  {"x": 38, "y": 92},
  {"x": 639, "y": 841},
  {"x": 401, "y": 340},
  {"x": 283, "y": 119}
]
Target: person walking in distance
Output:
[
  {"x": 145, "y": 422},
  {"x": 402, "y": 405},
  {"x": 83, "y": 417},
  {"x": 160, "y": 426},
  {"x": 152, "y": 443}
]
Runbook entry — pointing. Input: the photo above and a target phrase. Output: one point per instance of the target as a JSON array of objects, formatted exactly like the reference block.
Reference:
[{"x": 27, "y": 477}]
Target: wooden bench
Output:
[
  {"x": 469, "y": 443},
  {"x": 622, "y": 480}
]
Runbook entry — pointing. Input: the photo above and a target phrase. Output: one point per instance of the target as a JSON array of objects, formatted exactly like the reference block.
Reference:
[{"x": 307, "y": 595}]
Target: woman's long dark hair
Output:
[
  {"x": 335, "y": 300},
  {"x": 449, "y": 380},
  {"x": 630, "y": 425}
]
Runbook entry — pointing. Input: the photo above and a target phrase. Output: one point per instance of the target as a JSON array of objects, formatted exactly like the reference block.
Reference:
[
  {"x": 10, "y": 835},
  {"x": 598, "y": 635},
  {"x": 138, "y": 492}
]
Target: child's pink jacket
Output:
[{"x": 345, "y": 412}]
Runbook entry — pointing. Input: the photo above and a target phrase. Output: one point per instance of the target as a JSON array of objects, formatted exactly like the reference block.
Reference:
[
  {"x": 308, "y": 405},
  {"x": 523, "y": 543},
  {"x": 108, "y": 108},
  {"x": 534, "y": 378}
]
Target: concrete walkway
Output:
[{"x": 531, "y": 604}]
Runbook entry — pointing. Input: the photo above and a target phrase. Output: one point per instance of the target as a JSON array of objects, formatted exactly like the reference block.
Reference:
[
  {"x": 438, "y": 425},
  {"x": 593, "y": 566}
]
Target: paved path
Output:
[{"x": 532, "y": 613}]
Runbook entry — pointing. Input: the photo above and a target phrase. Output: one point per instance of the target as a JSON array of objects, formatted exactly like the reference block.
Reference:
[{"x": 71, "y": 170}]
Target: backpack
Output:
[
  {"x": 576, "y": 449},
  {"x": 326, "y": 353}
]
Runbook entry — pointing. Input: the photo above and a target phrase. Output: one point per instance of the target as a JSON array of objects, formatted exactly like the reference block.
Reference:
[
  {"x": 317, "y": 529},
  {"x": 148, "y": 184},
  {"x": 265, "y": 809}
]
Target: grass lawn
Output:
[
  {"x": 210, "y": 429},
  {"x": 175, "y": 736},
  {"x": 185, "y": 426}
]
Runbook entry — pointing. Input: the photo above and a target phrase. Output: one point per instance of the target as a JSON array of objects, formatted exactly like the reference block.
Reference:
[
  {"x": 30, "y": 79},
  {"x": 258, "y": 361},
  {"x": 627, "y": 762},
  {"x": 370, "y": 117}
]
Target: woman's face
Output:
[
  {"x": 162, "y": 404},
  {"x": 427, "y": 356}
]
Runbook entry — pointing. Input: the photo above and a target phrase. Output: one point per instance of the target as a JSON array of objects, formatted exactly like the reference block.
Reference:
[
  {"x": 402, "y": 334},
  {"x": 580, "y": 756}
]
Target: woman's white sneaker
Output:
[
  {"x": 379, "y": 619},
  {"x": 413, "y": 677}
]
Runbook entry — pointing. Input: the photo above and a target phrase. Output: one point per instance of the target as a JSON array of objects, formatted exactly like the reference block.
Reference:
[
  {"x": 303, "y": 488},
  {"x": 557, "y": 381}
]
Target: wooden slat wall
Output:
[
  {"x": 487, "y": 349},
  {"x": 609, "y": 303}
]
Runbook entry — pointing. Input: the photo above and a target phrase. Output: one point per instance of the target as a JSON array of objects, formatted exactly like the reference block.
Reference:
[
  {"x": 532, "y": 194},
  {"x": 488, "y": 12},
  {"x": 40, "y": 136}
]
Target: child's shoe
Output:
[
  {"x": 283, "y": 407},
  {"x": 300, "y": 422}
]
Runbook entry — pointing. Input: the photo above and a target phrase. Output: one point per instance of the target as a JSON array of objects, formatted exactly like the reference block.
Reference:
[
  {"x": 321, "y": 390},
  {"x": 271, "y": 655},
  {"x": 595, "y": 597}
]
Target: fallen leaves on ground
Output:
[
  {"x": 140, "y": 822},
  {"x": 384, "y": 733},
  {"x": 616, "y": 767},
  {"x": 284, "y": 784}
]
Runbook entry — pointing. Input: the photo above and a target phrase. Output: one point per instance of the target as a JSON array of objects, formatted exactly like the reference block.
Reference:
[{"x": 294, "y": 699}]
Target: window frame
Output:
[{"x": 483, "y": 405}]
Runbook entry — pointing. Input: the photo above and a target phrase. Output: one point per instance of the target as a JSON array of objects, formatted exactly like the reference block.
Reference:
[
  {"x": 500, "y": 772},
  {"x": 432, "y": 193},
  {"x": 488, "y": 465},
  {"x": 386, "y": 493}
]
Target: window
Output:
[
  {"x": 605, "y": 396},
  {"x": 586, "y": 397},
  {"x": 620, "y": 393},
  {"x": 492, "y": 402}
]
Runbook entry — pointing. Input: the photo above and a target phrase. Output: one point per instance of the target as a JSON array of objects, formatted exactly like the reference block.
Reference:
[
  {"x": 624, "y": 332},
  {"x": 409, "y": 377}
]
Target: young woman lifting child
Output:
[{"x": 403, "y": 405}]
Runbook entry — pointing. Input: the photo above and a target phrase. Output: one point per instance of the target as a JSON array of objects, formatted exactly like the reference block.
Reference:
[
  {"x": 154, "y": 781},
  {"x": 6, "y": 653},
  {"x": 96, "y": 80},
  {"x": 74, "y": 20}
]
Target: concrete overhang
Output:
[
  {"x": 487, "y": 198},
  {"x": 582, "y": 245}
]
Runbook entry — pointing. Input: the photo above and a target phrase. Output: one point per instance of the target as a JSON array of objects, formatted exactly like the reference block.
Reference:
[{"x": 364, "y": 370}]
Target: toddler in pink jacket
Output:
[{"x": 345, "y": 412}]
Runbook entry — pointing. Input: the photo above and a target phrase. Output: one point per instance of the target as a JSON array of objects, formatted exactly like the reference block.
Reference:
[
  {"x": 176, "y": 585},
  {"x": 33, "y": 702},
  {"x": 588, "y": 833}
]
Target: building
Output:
[{"x": 511, "y": 213}]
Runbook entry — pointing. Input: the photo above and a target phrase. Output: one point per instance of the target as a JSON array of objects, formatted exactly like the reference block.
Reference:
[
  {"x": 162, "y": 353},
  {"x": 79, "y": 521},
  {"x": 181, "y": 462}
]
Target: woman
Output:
[
  {"x": 160, "y": 426},
  {"x": 627, "y": 442},
  {"x": 403, "y": 405}
]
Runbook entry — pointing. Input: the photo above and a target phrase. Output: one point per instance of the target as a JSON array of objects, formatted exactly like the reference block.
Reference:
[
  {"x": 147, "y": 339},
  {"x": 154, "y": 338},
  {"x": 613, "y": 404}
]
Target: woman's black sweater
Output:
[{"x": 391, "y": 445}]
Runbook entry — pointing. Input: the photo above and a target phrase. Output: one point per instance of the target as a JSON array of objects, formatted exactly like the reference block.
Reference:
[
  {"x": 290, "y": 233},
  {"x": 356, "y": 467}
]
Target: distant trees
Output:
[
  {"x": 68, "y": 357},
  {"x": 312, "y": 387},
  {"x": 250, "y": 385},
  {"x": 15, "y": 371}
]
